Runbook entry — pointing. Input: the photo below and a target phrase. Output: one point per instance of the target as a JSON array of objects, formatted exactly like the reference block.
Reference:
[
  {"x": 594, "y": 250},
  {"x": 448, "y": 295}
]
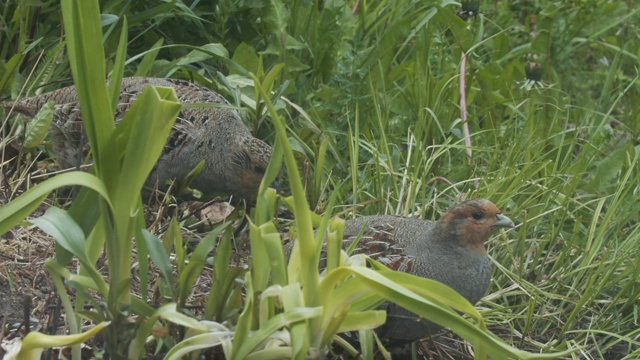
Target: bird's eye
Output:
[{"x": 477, "y": 215}]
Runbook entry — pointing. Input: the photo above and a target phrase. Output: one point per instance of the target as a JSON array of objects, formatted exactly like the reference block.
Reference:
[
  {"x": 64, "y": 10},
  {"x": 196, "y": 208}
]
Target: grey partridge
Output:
[
  {"x": 235, "y": 161},
  {"x": 450, "y": 250}
]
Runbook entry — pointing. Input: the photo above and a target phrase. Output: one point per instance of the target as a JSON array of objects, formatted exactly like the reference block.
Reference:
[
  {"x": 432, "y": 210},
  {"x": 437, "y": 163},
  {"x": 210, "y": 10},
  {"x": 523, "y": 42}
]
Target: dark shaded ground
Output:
[{"x": 25, "y": 285}]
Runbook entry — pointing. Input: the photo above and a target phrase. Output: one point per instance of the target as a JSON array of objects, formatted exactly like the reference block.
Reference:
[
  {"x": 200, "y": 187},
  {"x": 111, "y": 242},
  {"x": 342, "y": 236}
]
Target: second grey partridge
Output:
[
  {"x": 450, "y": 250},
  {"x": 235, "y": 161}
]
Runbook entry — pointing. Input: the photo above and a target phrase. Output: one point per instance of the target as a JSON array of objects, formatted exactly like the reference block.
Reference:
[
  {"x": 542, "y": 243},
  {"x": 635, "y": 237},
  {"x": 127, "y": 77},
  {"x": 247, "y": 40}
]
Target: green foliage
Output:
[
  {"x": 38, "y": 127},
  {"x": 362, "y": 105}
]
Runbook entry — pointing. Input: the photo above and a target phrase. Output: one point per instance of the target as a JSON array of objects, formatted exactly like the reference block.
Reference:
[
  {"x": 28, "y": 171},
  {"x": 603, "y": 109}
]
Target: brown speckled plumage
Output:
[
  {"x": 450, "y": 250},
  {"x": 235, "y": 161}
]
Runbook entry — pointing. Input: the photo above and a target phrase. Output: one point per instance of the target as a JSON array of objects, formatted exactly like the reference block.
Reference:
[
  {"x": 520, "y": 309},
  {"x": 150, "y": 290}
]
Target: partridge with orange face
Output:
[
  {"x": 450, "y": 250},
  {"x": 235, "y": 161}
]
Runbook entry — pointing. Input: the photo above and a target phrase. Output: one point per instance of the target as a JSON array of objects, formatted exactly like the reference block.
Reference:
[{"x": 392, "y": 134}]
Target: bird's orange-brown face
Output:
[{"x": 474, "y": 221}]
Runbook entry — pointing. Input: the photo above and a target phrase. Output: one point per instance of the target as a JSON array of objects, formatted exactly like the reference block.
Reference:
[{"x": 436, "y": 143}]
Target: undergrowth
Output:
[{"x": 369, "y": 97}]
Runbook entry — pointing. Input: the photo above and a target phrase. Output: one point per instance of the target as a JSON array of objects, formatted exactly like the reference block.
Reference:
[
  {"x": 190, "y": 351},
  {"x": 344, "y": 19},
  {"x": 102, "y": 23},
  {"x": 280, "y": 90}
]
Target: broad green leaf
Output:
[
  {"x": 362, "y": 320},
  {"x": 115, "y": 80},
  {"x": 204, "y": 53},
  {"x": 86, "y": 56},
  {"x": 33, "y": 344},
  {"x": 270, "y": 77},
  {"x": 152, "y": 115},
  {"x": 224, "y": 278},
  {"x": 245, "y": 321},
  {"x": 197, "y": 261},
  {"x": 38, "y": 126},
  {"x": 278, "y": 18},
  {"x": 168, "y": 312},
  {"x": 184, "y": 183},
  {"x": 433, "y": 290},
  {"x": 9, "y": 71},
  {"x": 337, "y": 304},
  {"x": 16, "y": 210},
  {"x": 57, "y": 223},
  {"x": 334, "y": 243},
  {"x": 173, "y": 237},
  {"x": 160, "y": 257},
  {"x": 108, "y": 19},
  {"x": 242, "y": 350},
  {"x": 245, "y": 56},
  {"x": 68, "y": 234},
  {"x": 261, "y": 265},
  {"x": 216, "y": 334},
  {"x": 291, "y": 299},
  {"x": 273, "y": 245},
  {"x": 458, "y": 27},
  {"x": 366, "y": 343},
  {"x": 438, "y": 314}
]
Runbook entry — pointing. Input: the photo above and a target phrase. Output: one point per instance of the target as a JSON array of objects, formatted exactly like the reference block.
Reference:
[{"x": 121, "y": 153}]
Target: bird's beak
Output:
[{"x": 503, "y": 221}]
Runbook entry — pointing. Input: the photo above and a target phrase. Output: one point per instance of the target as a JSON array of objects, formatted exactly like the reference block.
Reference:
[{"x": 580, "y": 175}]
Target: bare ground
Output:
[{"x": 25, "y": 285}]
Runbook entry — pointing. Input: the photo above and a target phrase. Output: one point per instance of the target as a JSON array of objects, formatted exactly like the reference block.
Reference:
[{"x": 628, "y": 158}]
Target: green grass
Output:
[{"x": 371, "y": 107}]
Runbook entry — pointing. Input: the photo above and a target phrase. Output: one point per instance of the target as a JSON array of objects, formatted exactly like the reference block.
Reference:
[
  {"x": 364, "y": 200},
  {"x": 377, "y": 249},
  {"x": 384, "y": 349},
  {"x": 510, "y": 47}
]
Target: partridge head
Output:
[
  {"x": 450, "y": 250},
  {"x": 235, "y": 161}
]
